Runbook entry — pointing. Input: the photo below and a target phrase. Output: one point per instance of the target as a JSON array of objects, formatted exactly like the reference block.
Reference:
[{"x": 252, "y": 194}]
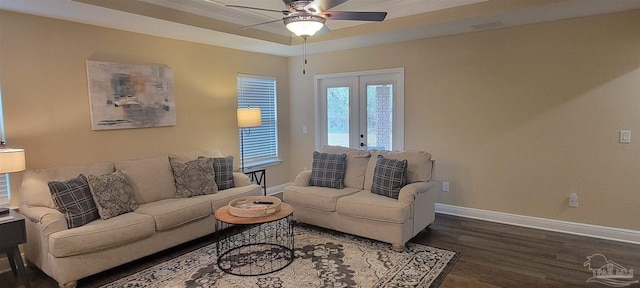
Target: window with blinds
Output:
[
  {"x": 260, "y": 143},
  {"x": 4, "y": 188}
]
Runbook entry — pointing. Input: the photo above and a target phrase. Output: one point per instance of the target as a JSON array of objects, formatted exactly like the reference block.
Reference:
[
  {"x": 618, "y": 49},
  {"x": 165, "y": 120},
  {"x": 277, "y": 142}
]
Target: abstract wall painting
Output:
[{"x": 124, "y": 96}]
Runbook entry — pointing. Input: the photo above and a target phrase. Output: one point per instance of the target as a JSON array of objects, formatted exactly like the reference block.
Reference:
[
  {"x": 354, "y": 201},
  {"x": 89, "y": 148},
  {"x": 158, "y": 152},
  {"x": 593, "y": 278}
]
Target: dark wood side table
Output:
[
  {"x": 12, "y": 234},
  {"x": 258, "y": 176}
]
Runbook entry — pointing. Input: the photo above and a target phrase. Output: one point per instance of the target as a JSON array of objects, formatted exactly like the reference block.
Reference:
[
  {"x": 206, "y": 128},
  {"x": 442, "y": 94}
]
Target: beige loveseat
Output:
[
  {"x": 160, "y": 221},
  {"x": 356, "y": 210}
]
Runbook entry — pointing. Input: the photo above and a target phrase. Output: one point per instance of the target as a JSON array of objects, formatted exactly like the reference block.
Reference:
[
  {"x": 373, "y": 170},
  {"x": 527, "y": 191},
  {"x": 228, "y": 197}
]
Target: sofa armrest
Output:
[
  {"x": 303, "y": 178},
  {"x": 241, "y": 179},
  {"x": 48, "y": 220},
  {"x": 408, "y": 192}
]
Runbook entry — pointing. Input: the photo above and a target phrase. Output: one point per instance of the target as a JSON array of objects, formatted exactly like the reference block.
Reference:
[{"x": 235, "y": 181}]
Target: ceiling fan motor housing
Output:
[{"x": 299, "y": 6}]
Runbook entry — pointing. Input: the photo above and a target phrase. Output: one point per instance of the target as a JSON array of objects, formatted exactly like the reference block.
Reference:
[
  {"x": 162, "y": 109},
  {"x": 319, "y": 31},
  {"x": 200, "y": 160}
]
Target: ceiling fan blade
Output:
[
  {"x": 352, "y": 15},
  {"x": 318, "y": 6},
  {"x": 324, "y": 30},
  {"x": 285, "y": 12},
  {"x": 249, "y": 26}
]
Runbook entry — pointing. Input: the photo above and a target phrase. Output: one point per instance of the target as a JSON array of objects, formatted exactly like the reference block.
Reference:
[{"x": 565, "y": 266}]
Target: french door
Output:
[{"x": 361, "y": 110}]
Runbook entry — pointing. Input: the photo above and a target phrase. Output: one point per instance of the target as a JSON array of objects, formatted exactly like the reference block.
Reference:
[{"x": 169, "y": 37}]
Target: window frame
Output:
[
  {"x": 5, "y": 184},
  {"x": 357, "y": 82},
  {"x": 249, "y": 94}
]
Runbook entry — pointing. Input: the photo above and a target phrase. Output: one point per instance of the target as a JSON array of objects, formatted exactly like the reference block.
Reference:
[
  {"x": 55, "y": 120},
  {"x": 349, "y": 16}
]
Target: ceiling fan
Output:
[{"x": 306, "y": 17}]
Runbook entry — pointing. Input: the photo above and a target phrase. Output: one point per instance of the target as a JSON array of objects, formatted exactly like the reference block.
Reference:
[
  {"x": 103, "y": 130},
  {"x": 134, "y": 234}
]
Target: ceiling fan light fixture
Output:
[{"x": 304, "y": 25}]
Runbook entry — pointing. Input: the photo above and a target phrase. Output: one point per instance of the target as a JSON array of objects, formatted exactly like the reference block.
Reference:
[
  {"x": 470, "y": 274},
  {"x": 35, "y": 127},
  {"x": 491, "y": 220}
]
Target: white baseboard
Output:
[
  {"x": 277, "y": 189},
  {"x": 595, "y": 231}
]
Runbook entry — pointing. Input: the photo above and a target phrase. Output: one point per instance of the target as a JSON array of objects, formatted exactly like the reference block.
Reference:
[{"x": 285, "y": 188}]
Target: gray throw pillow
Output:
[
  {"x": 327, "y": 170},
  {"x": 112, "y": 194},
  {"x": 223, "y": 170},
  {"x": 73, "y": 199},
  {"x": 193, "y": 178},
  {"x": 389, "y": 177}
]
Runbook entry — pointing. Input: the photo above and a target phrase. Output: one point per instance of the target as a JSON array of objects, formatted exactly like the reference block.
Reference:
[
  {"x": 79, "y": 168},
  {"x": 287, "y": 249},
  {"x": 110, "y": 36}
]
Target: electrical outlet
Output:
[
  {"x": 573, "y": 200},
  {"x": 625, "y": 136},
  {"x": 445, "y": 186}
]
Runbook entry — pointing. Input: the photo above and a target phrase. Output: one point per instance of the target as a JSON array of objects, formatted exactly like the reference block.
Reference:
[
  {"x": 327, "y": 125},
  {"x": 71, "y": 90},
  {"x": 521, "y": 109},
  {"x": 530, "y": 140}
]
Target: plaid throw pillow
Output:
[
  {"x": 73, "y": 199},
  {"x": 223, "y": 168},
  {"x": 389, "y": 177},
  {"x": 327, "y": 170}
]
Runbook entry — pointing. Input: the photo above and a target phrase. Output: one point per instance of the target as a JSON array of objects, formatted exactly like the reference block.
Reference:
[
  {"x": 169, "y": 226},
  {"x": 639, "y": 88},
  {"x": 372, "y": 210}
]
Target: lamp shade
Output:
[
  {"x": 249, "y": 117},
  {"x": 304, "y": 25},
  {"x": 11, "y": 160}
]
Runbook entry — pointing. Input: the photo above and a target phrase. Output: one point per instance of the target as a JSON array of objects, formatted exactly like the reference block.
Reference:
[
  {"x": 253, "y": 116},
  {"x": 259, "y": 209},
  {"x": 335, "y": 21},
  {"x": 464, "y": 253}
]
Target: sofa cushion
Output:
[
  {"x": 193, "y": 178},
  {"x": 356, "y": 164},
  {"x": 151, "y": 179},
  {"x": 73, "y": 199},
  {"x": 389, "y": 176},
  {"x": 367, "y": 205},
  {"x": 170, "y": 213},
  {"x": 327, "y": 170},
  {"x": 34, "y": 190},
  {"x": 418, "y": 165},
  {"x": 112, "y": 194},
  {"x": 316, "y": 197},
  {"x": 101, "y": 234}
]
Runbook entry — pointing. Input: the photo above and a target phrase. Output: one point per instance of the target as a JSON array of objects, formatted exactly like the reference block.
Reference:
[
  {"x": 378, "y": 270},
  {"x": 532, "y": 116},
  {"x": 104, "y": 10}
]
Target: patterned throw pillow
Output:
[
  {"x": 73, "y": 199},
  {"x": 223, "y": 170},
  {"x": 389, "y": 177},
  {"x": 193, "y": 178},
  {"x": 112, "y": 194},
  {"x": 328, "y": 170}
]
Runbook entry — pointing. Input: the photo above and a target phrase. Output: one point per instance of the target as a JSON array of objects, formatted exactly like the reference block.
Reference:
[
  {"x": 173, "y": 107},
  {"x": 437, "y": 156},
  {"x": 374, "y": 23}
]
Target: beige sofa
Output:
[
  {"x": 161, "y": 220},
  {"x": 356, "y": 210}
]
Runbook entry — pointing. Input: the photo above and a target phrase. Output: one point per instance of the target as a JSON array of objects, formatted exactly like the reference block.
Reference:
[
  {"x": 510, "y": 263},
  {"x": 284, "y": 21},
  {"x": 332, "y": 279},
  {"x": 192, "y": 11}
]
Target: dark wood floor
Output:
[{"x": 494, "y": 255}]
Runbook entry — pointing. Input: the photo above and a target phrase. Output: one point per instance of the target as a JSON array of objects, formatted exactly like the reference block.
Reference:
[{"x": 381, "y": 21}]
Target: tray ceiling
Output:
[
  {"x": 216, "y": 9},
  {"x": 210, "y": 22}
]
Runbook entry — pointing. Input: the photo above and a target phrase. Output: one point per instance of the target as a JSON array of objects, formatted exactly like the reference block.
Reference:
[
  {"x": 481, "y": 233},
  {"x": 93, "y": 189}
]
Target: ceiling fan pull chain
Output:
[{"x": 304, "y": 55}]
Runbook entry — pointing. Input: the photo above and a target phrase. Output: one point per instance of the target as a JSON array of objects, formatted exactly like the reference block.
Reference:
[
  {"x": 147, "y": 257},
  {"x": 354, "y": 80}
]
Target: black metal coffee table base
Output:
[{"x": 257, "y": 249}]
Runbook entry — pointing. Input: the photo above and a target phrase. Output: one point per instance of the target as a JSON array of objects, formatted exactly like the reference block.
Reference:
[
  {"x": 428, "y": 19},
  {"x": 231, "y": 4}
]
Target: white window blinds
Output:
[
  {"x": 4, "y": 189},
  {"x": 260, "y": 143}
]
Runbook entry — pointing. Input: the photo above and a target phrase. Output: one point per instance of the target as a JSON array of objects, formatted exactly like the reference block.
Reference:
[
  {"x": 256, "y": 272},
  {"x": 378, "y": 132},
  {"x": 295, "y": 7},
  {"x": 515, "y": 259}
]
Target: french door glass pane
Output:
[
  {"x": 338, "y": 116},
  {"x": 379, "y": 116}
]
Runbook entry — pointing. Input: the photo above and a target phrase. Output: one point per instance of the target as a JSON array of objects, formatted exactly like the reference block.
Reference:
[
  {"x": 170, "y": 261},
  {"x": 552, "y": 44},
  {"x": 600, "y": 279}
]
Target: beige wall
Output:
[
  {"x": 46, "y": 103},
  {"x": 516, "y": 118}
]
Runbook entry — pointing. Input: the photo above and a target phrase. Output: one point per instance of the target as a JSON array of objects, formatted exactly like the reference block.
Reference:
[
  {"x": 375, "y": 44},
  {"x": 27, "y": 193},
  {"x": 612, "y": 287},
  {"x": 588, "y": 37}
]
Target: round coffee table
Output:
[{"x": 261, "y": 245}]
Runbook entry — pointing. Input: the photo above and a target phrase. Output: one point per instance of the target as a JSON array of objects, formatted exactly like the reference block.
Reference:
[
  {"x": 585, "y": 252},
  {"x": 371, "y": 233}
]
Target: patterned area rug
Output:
[{"x": 323, "y": 258}]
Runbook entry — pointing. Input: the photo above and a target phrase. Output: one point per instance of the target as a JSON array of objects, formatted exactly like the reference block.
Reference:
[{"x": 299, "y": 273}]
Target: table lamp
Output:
[{"x": 11, "y": 160}]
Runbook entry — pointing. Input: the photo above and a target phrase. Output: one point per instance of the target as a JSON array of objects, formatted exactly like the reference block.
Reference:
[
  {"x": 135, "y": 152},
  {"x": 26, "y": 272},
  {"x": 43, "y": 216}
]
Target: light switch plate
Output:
[{"x": 625, "y": 136}]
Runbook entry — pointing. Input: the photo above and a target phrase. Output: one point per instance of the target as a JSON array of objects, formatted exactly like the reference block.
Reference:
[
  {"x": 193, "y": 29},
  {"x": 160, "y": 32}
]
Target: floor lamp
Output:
[
  {"x": 11, "y": 160},
  {"x": 247, "y": 118}
]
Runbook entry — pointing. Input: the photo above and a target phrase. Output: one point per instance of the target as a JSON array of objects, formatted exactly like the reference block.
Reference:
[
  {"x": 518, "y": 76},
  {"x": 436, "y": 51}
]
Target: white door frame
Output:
[{"x": 398, "y": 104}]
